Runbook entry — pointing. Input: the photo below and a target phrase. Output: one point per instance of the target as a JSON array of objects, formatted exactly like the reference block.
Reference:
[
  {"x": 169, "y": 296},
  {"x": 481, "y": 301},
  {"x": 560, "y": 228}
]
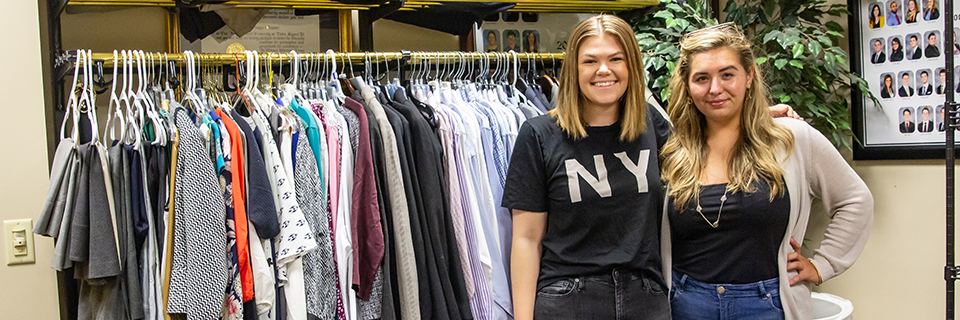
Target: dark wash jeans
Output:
[
  {"x": 694, "y": 300},
  {"x": 620, "y": 295}
]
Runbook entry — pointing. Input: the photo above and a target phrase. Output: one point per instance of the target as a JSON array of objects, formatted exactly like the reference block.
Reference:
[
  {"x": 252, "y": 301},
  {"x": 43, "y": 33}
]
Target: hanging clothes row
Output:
[{"x": 311, "y": 195}]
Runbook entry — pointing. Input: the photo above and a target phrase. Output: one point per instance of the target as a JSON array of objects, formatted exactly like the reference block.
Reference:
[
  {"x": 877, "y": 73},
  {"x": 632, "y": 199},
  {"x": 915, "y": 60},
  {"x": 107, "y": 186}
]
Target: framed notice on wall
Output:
[{"x": 898, "y": 47}]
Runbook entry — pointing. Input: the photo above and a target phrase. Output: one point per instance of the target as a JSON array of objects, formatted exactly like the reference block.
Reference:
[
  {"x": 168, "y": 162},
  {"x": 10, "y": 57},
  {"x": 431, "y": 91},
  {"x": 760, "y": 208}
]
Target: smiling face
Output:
[
  {"x": 894, "y": 7},
  {"x": 877, "y": 46},
  {"x": 876, "y": 11},
  {"x": 895, "y": 44},
  {"x": 912, "y": 6},
  {"x": 888, "y": 81},
  {"x": 718, "y": 84},
  {"x": 931, "y": 3},
  {"x": 932, "y": 39},
  {"x": 906, "y": 79},
  {"x": 602, "y": 71},
  {"x": 924, "y": 77},
  {"x": 925, "y": 114},
  {"x": 906, "y": 115},
  {"x": 913, "y": 41}
]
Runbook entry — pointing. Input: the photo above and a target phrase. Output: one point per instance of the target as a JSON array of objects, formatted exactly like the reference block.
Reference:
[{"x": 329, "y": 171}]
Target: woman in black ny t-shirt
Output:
[{"x": 584, "y": 187}]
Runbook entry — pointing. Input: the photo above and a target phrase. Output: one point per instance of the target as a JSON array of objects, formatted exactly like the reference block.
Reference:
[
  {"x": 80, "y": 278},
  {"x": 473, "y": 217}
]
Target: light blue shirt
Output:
[{"x": 893, "y": 19}]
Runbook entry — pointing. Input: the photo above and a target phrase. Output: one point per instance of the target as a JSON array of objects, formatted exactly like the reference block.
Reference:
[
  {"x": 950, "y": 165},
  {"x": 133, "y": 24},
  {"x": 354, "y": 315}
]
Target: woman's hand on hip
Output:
[{"x": 806, "y": 271}]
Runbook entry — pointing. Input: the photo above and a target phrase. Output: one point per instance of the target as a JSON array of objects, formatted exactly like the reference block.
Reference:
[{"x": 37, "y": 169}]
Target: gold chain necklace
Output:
[{"x": 714, "y": 224}]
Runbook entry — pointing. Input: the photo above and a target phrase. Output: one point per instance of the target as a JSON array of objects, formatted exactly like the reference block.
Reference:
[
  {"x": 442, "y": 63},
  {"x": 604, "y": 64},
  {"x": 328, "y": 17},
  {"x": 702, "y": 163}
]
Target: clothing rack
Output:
[{"x": 505, "y": 63}]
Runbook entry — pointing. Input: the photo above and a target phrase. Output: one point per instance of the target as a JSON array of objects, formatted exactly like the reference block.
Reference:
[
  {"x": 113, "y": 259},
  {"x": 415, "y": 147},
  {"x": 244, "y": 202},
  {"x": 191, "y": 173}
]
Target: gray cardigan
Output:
[{"x": 814, "y": 170}]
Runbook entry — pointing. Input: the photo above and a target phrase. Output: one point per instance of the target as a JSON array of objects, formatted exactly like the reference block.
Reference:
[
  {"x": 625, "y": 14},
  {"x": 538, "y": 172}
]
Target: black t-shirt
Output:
[
  {"x": 609, "y": 217},
  {"x": 744, "y": 246}
]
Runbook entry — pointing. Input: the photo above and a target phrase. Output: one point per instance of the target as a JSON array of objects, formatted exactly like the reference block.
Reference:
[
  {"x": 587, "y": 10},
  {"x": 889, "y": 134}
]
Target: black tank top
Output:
[{"x": 744, "y": 246}]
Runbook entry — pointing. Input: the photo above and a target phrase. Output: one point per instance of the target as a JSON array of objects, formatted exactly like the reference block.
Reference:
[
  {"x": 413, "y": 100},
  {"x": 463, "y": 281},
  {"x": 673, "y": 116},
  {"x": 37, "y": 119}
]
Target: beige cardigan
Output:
[{"x": 814, "y": 170}]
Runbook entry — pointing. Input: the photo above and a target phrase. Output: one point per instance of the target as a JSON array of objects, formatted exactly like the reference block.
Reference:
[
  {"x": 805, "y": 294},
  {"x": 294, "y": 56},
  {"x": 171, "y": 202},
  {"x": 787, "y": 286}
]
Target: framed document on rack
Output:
[{"x": 898, "y": 47}]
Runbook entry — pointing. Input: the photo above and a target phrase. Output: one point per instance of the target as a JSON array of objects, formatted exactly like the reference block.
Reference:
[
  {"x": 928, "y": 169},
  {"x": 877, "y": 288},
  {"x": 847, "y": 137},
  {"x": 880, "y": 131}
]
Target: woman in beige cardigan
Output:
[{"x": 741, "y": 186}]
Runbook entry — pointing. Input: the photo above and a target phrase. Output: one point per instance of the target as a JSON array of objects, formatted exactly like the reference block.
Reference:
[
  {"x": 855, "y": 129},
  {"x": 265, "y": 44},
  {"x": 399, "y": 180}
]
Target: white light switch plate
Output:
[{"x": 18, "y": 241}]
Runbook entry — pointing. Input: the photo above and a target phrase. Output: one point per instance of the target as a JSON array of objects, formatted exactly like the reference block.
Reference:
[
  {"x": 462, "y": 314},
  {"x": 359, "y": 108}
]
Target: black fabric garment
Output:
[
  {"x": 164, "y": 173},
  {"x": 281, "y": 302},
  {"x": 744, "y": 246},
  {"x": 544, "y": 100},
  {"x": 452, "y": 18},
  {"x": 261, "y": 210},
  {"x": 139, "y": 206},
  {"x": 411, "y": 186},
  {"x": 154, "y": 159},
  {"x": 130, "y": 284},
  {"x": 196, "y": 25},
  {"x": 250, "y": 310},
  {"x": 602, "y": 197},
  {"x": 383, "y": 97},
  {"x": 390, "y": 304},
  {"x": 427, "y": 153}
]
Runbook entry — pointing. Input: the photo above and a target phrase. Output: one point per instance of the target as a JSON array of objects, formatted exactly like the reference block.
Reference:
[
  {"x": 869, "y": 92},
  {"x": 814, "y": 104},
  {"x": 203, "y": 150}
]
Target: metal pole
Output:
[{"x": 949, "y": 127}]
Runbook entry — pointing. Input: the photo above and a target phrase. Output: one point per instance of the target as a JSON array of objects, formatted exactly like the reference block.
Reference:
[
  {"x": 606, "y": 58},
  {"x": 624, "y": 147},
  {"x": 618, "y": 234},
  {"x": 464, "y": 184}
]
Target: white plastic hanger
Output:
[
  {"x": 190, "y": 94},
  {"x": 87, "y": 101},
  {"x": 115, "y": 114}
]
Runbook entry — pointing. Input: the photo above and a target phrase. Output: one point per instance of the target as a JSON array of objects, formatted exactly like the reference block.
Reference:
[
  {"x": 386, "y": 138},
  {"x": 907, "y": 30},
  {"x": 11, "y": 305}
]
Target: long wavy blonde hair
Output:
[
  {"x": 755, "y": 154},
  {"x": 570, "y": 100}
]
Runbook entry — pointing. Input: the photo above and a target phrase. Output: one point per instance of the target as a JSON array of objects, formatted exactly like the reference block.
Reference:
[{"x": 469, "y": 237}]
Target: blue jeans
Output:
[
  {"x": 620, "y": 295},
  {"x": 695, "y": 300}
]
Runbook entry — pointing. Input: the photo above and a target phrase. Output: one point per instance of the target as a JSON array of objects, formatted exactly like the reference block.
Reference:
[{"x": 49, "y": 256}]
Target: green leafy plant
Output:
[
  {"x": 658, "y": 30},
  {"x": 799, "y": 52}
]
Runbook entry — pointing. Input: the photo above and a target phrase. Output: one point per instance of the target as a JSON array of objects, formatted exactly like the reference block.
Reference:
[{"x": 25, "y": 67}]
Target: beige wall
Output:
[
  {"x": 389, "y": 36},
  {"x": 899, "y": 275},
  {"x": 28, "y": 291}
]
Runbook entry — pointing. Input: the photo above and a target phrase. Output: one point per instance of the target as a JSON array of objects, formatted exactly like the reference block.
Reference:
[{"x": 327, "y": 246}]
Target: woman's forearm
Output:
[
  {"x": 528, "y": 230},
  {"x": 524, "y": 271}
]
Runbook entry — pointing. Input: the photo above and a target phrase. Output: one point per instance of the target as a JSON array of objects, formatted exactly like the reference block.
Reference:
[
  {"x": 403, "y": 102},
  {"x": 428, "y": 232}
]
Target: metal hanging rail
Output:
[{"x": 351, "y": 57}]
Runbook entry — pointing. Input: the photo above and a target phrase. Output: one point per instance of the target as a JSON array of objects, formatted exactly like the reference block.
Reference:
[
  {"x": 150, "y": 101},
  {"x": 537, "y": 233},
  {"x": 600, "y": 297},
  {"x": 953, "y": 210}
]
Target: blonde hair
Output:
[
  {"x": 570, "y": 100},
  {"x": 755, "y": 154}
]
